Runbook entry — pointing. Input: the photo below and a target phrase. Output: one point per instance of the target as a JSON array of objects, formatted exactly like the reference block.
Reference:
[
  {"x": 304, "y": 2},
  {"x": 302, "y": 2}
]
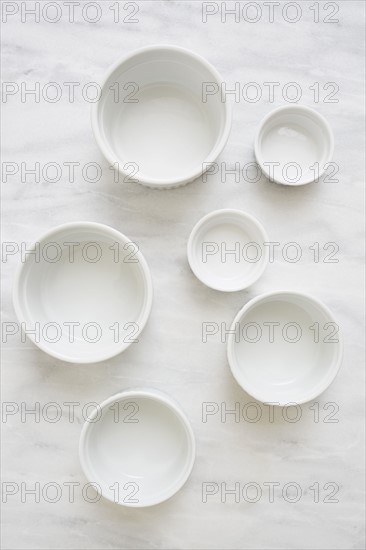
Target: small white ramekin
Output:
[
  {"x": 293, "y": 145},
  {"x": 226, "y": 250}
]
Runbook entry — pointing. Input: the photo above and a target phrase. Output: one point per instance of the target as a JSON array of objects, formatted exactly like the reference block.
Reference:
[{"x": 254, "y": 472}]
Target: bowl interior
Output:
[
  {"x": 283, "y": 350},
  {"x": 88, "y": 292},
  {"x": 227, "y": 251},
  {"x": 160, "y": 121},
  {"x": 297, "y": 139},
  {"x": 142, "y": 444}
]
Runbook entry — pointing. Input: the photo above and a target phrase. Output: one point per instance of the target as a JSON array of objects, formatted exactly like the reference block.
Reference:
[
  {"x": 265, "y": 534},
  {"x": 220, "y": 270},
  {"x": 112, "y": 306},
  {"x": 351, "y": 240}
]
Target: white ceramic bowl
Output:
[
  {"x": 89, "y": 274},
  {"x": 226, "y": 250},
  {"x": 138, "y": 448},
  {"x": 159, "y": 127},
  {"x": 294, "y": 134},
  {"x": 281, "y": 367}
]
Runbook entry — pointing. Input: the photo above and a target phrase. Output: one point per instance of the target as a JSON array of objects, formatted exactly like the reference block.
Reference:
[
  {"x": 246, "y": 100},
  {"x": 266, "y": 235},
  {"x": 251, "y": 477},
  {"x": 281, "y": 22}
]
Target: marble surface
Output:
[{"x": 171, "y": 355}]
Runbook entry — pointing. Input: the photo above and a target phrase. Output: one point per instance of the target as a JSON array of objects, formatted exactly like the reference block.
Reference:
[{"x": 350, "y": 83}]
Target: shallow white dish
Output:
[
  {"x": 159, "y": 127},
  {"x": 138, "y": 447},
  {"x": 226, "y": 250},
  {"x": 89, "y": 274},
  {"x": 299, "y": 140},
  {"x": 276, "y": 365}
]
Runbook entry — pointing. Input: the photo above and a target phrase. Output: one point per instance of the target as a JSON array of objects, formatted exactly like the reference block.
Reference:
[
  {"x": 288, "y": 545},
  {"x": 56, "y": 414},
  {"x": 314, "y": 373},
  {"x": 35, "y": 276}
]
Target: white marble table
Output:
[{"x": 171, "y": 355}]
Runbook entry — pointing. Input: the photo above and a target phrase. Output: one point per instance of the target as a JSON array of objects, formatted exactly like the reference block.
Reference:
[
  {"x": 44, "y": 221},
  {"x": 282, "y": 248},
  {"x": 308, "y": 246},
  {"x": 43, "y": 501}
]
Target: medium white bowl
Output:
[
  {"x": 281, "y": 368},
  {"x": 159, "y": 127},
  {"x": 89, "y": 274},
  {"x": 294, "y": 134},
  {"x": 226, "y": 250},
  {"x": 138, "y": 448}
]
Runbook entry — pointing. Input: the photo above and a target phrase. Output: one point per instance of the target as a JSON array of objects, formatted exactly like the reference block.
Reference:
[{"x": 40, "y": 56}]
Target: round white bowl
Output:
[
  {"x": 288, "y": 365},
  {"x": 226, "y": 250},
  {"x": 159, "y": 126},
  {"x": 294, "y": 134},
  {"x": 88, "y": 290},
  {"x": 138, "y": 448}
]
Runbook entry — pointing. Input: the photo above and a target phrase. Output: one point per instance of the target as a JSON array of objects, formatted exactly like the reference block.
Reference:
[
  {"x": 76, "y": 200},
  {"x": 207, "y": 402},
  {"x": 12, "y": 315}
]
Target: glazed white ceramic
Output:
[
  {"x": 226, "y": 250},
  {"x": 289, "y": 365},
  {"x": 160, "y": 127},
  {"x": 88, "y": 274},
  {"x": 140, "y": 441},
  {"x": 299, "y": 140},
  {"x": 228, "y": 452}
]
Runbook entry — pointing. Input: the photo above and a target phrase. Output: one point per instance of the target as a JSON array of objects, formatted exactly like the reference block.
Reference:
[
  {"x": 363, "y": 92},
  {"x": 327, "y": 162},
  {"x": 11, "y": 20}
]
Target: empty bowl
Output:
[
  {"x": 293, "y": 145},
  {"x": 155, "y": 120},
  {"x": 284, "y": 348},
  {"x": 137, "y": 447},
  {"x": 226, "y": 250},
  {"x": 84, "y": 294}
]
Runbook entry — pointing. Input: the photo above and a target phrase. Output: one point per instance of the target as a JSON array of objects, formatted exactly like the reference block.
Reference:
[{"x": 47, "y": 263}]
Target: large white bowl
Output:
[
  {"x": 137, "y": 447},
  {"x": 85, "y": 291},
  {"x": 293, "y": 145},
  {"x": 153, "y": 119},
  {"x": 276, "y": 365}
]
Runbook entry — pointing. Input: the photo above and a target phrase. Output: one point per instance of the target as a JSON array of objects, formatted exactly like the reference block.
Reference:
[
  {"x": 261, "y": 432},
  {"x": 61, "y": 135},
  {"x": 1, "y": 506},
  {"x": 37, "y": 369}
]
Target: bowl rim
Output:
[
  {"x": 282, "y": 293},
  {"x": 107, "y": 231},
  {"x": 217, "y": 214},
  {"x": 300, "y": 109},
  {"x": 163, "y": 399},
  {"x": 214, "y": 153}
]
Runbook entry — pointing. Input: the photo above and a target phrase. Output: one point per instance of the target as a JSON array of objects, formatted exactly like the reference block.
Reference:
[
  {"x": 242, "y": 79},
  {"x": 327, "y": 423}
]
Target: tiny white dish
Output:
[
  {"x": 160, "y": 118},
  {"x": 84, "y": 293},
  {"x": 284, "y": 348},
  {"x": 226, "y": 250},
  {"x": 137, "y": 447},
  {"x": 293, "y": 145}
]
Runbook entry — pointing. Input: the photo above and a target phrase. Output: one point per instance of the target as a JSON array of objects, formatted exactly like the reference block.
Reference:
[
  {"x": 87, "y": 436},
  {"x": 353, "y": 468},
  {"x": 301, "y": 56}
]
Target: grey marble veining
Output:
[{"x": 171, "y": 355}]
